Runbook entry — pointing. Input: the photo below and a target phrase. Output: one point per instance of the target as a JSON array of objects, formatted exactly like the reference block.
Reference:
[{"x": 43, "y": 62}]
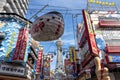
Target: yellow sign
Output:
[
  {"x": 11, "y": 43},
  {"x": 72, "y": 54}
]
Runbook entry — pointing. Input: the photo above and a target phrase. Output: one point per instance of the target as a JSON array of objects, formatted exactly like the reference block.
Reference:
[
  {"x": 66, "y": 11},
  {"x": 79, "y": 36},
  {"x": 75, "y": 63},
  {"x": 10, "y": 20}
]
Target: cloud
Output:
[
  {"x": 67, "y": 34},
  {"x": 69, "y": 42},
  {"x": 68, "y": 3}
]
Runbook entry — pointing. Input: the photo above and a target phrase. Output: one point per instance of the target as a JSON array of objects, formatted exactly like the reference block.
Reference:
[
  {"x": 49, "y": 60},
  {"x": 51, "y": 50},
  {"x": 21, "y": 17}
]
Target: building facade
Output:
[
  {"x": 18, "y": 53},
  {"x": 14, "y": 6}
]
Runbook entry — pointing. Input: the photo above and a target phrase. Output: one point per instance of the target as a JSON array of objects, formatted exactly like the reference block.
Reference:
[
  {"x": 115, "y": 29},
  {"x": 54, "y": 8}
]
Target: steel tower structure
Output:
[{"x": 59, "y": 71}]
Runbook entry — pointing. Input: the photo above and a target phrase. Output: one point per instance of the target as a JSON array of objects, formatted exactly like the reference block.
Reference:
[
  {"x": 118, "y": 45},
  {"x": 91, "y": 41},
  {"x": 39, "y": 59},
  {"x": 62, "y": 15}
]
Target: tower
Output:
[
  {"x": 14, "y": 6},
  {"x": 59, "y": 71}
]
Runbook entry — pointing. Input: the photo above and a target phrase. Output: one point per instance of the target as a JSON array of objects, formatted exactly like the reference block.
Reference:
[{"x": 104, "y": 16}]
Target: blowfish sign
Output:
[
  {"x": 21, "y": 45},
  {"x": 48, "y": 27}
]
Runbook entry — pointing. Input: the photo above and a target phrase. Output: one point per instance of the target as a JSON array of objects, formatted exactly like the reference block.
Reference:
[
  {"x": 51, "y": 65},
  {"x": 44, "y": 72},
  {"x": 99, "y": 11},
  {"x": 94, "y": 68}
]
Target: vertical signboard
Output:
[
  {"x": 90, "y": 33},
  {"x": 21, "y": 45},
  {"x": 72, "y": 54},
  {"x": 39, "y": 61}
]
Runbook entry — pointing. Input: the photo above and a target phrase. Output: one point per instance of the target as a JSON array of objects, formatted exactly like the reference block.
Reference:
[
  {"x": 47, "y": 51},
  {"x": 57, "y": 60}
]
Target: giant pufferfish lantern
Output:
[{"x": 48, "y": 27}]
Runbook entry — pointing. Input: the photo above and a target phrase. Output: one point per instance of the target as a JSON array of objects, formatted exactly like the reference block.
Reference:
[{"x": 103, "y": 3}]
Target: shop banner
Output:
[
  {"x": 39, "y": 61},
  {"x": 21, "y": 45}
]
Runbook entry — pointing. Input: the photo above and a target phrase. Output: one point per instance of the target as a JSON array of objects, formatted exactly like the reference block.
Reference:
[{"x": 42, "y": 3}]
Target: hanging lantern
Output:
[
  {"x": 97, "y": 2},
  {"x": 103, "y": 3},
  {"x": 91, "y": 1},
  {"x": 48, "y": 27},
  {"x": 106, "y": 3},
  {"x": 109, "y": 4},
  {"x": 112, "y": 4}
]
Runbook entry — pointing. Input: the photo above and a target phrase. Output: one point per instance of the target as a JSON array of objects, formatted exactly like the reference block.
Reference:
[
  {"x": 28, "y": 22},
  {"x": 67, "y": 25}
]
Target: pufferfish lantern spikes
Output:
[{"x": 48, "y": 27}]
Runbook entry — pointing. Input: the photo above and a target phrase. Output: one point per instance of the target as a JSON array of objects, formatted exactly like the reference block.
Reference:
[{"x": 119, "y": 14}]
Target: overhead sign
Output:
[{"x": 12, "y": 69}]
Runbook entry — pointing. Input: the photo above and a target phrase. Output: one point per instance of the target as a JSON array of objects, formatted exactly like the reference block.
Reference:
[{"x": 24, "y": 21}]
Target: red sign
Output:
[
  {"x": 39, "y": 61},
  {"x": 90, "y": 33},
  {"x": 113, "y": 49},
  {"x": 21, "y": 45},
  {"x": 103, "y": 23}
]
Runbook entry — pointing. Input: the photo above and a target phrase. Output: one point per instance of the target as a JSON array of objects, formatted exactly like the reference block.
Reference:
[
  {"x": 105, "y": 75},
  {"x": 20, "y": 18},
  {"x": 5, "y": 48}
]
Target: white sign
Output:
[
  {"x": 111, "y": 34},
  {"x": 11, "y": 69}
]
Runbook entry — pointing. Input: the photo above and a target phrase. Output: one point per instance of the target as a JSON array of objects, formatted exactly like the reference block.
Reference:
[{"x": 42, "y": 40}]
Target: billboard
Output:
[{"x": 10, "y": 27}]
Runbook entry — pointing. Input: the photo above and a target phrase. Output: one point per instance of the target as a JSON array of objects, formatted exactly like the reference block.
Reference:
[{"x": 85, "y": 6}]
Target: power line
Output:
[{"x": 38, "y": 12}]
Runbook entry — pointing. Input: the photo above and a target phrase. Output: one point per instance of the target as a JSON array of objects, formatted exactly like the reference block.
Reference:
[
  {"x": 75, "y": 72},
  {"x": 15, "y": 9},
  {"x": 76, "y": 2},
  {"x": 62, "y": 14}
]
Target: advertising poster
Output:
[{"x": 39, "y": 61}]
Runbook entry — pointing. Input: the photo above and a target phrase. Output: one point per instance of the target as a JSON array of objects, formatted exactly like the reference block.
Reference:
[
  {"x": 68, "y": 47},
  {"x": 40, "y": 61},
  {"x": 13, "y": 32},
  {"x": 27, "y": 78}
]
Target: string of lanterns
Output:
[{"x": 101, "y": 2}]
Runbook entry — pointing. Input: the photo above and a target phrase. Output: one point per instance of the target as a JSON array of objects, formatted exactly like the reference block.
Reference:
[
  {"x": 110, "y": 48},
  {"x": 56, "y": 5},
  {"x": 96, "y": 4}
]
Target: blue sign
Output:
[{"x": 114, "y": 58}]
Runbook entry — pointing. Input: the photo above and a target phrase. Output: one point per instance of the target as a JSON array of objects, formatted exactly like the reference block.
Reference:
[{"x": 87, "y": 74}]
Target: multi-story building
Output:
[
  {"x": 14, "y": 6},
  {"x": 99, "y": 45}
]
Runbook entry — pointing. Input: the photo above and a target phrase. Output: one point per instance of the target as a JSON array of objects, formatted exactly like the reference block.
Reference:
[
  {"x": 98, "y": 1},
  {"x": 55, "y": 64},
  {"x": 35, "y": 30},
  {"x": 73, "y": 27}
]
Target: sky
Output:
[{"x": 71, "y": 10}]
